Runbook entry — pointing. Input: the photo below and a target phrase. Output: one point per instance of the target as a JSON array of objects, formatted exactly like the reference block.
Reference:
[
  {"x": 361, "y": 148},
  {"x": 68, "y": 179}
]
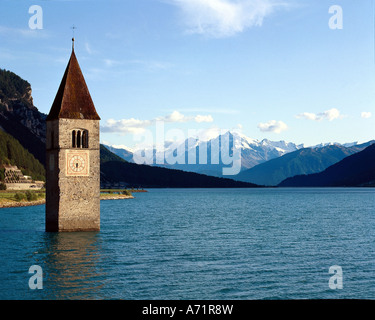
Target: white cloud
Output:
[
  {"x": 88, "y": 48},
  {"x": 366, "y": 115},
  {"x": 329, "y": 115},
  {"x": 200, "y": 118},
  {"x": 223, "y": 18},
  {"x": 110, "y": 62},
  {"x": 175, "y": 116},
  {"x": 307, "y": 116},
  {"x": 132, "y": 125},
  {"x": 273, "y": 126},
  {"x": 209, "y": 110},
  {"x": 27, "y": 32},
  {"x": 137, "y": 126},
  {"x": 207, "y": 134}
]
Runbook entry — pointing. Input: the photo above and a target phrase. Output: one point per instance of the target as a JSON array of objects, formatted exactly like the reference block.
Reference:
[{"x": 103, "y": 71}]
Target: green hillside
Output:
[{"x": 12, "y": 153}]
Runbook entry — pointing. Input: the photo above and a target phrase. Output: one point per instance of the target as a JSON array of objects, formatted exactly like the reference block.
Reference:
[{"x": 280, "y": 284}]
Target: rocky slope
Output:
[{"x": 18, "y": 115}]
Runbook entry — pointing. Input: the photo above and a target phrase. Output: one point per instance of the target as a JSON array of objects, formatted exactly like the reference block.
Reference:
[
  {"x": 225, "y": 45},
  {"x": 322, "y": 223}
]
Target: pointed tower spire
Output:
[{"x": 73, "y": 100}]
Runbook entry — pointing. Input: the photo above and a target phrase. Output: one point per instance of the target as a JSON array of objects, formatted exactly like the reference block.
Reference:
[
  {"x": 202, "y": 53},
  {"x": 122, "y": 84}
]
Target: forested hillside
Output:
[
  {"x": 12, "y": 153},
  {"x": 354, "y": 171}
]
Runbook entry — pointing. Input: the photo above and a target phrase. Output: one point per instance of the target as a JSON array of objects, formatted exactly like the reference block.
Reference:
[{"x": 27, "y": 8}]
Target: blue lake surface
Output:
[{"x": 199, "y": 244}]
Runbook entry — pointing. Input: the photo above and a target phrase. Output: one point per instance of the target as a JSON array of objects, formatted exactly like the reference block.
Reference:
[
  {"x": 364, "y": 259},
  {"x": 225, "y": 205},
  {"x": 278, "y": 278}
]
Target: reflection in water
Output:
[{"x": 71, "y": 265}]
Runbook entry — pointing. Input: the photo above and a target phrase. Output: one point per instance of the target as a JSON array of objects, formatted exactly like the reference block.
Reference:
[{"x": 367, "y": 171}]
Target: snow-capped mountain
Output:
[
  {"x": 211, "y": 156},
  {"x": 123, "y": 152},
  {"x": 346, "y": 145}
]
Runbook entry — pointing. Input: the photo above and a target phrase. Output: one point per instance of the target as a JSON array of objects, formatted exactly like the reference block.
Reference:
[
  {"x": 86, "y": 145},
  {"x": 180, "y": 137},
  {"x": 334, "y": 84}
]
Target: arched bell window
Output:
[
  {"x": 80, "y": 138},
  {"x": 74, "y": 139},
  {"x": 85, "y": 139}
]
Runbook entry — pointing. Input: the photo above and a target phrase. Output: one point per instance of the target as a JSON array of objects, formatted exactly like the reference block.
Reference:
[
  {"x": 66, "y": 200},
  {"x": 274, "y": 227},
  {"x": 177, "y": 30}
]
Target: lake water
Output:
[{"x": 202, "y": 244}]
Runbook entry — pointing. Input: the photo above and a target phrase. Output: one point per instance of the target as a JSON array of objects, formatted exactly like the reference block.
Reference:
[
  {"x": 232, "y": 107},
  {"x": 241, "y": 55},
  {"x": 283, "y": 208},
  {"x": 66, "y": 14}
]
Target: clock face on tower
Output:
[{"x": 77, "y": 163}]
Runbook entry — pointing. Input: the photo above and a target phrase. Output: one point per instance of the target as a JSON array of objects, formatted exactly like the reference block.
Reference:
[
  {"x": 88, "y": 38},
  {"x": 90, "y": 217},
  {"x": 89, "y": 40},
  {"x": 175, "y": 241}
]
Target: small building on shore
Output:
[{"x": 14, "y": 179}]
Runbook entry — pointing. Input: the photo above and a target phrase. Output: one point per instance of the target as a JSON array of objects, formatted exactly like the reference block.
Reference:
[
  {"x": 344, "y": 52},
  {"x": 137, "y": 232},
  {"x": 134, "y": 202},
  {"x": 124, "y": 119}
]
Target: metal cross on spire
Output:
[{"x": 73, "y": 28}]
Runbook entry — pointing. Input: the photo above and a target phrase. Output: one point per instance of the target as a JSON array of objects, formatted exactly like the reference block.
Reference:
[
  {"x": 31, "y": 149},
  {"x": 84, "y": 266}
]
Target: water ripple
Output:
[{"x": 200, "y": 244}]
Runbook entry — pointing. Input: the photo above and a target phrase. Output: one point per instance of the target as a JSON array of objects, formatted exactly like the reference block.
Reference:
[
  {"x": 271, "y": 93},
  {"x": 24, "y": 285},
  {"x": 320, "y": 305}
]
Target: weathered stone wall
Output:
[{"x": 72, "y": 202}]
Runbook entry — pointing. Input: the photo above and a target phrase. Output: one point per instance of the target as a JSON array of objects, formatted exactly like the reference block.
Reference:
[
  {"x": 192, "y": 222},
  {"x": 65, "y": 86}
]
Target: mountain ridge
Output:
[
  {"x": 353, "y": 171},
  {"x": 253, "y": 152},
  {"x": 303, "y": 161}
]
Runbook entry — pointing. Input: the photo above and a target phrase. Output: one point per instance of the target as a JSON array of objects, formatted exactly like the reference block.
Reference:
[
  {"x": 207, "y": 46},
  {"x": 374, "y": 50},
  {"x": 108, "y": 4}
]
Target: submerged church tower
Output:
[{"x": 73, "y": 156}]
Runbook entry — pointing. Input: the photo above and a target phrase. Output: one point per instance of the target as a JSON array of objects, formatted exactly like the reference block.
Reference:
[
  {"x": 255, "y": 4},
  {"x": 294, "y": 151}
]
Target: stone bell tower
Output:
[{"x": 73, "y": 156}]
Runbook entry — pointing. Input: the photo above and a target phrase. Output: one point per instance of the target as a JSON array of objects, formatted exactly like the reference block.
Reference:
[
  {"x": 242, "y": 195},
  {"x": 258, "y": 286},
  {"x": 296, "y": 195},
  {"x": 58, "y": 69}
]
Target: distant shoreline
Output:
[
  {"x": 15, "y": 204},
  {"x": 116, "y": 197}
]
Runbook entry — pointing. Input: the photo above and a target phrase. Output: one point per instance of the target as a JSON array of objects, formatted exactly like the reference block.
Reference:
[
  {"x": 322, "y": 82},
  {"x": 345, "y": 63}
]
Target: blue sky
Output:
[{"x": 273, "y": 68}]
